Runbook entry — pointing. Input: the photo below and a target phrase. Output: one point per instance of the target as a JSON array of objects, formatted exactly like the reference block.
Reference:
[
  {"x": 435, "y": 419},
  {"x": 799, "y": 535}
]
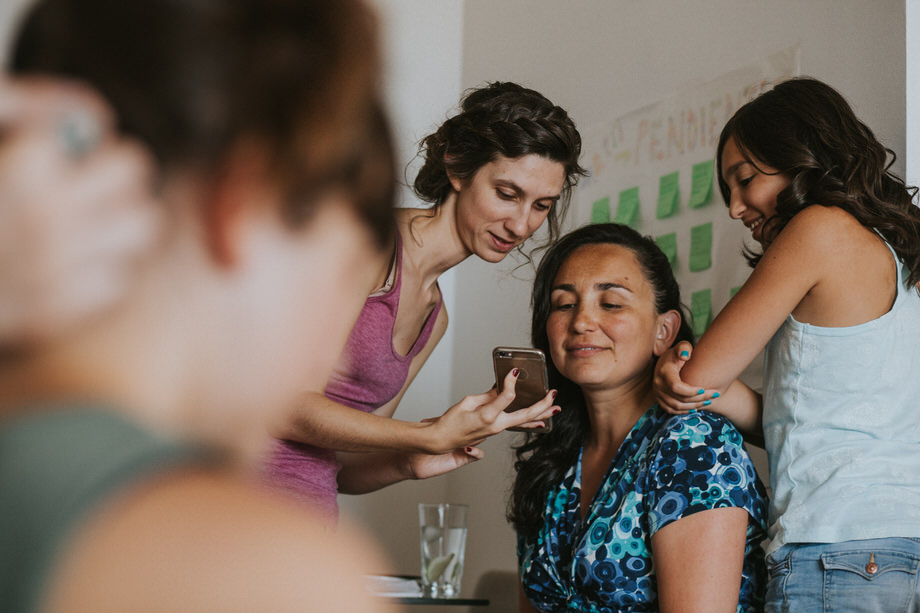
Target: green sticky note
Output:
[
  {"x": 600, "y": 211},
  {"x": 734, "y": 291},
  {"x": 628, "y": 207},
  {"x": 701, "y": 247},
  {"x": 701, "y": 311},
  {"x": 701, "y": 187},
  {"x": 668, "y": 244},
  {"x": 667, "y": 195}
]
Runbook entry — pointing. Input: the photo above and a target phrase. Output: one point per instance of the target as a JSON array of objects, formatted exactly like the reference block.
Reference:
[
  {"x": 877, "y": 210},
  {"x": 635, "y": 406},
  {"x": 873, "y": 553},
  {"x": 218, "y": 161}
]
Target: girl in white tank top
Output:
[{"x": 833, "y": 298}]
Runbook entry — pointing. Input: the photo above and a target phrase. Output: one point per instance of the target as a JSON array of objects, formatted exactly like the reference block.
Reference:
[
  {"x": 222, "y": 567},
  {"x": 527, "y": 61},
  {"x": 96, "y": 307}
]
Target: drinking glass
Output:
[{"x": 442, "y": 529}]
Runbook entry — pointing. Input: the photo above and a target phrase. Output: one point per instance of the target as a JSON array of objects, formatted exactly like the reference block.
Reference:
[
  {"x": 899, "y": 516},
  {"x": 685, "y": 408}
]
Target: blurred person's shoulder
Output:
[{"x": 204, "y": 540}]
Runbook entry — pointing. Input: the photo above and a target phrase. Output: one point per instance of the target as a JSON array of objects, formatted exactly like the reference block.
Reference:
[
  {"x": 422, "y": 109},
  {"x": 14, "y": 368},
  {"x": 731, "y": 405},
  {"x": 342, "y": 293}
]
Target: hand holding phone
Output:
[{"x": 531, "y": 385}]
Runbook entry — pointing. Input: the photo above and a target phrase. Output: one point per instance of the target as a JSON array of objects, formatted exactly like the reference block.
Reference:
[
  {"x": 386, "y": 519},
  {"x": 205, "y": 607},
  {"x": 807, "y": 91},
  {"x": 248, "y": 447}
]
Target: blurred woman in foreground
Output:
[{"x": 119, "y": 440}]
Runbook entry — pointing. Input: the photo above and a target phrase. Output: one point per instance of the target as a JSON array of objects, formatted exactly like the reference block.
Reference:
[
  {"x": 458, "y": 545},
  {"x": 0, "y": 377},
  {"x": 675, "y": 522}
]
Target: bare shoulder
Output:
[
  {"x": 200, "y": 541},
  {"x": 828, "y": 223},
  {"x": 819, "y": 224},
  {"x": 855, "y": 271},
  {"x": 826, "y": 234}
]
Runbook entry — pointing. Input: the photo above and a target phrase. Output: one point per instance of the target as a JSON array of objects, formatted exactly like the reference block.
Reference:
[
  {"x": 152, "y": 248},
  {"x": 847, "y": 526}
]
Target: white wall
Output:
[
  {"x": 602, "y": 58},
  {"x": 912, "y": 26},
  {"x": 10, "y": 12}
]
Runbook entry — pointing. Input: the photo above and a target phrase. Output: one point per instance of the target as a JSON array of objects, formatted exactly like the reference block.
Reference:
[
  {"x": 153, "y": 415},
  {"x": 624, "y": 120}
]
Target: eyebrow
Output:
[
  {"x": 731, "y": 169},
  {"x": 603, "y": 287},
  {"x": 517, "y": 189}
]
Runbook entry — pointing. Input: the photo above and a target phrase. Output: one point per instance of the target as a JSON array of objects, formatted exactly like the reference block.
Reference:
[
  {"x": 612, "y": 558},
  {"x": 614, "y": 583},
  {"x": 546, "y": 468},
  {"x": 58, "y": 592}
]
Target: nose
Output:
[
  {"x": 736, "y": 207},
  {"x": 518, "y": 224},
  {"x": 584, "y": 319}
]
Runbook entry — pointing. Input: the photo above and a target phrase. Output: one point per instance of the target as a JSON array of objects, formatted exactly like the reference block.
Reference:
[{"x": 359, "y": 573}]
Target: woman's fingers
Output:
[
  {"x": 537, "y": 412},
  {"x": 533, "y": 425},
  {"x": 672, "y": 393},
  {"x": 673, "y": 405},
  {"x": 667, "y": 379},
  {"x": 480, "y": 416},
  {"x": 77, "y": 211},
  {"x": 425, "y": 466},
  {"x": 474, "y": 453},
  {"x": 506, "y": 396},
  {"x": 40, "y": 103}
]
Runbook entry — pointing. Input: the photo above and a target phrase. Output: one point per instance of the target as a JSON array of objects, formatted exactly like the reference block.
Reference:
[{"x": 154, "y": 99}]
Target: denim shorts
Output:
[{"x": 876, "y": 575}]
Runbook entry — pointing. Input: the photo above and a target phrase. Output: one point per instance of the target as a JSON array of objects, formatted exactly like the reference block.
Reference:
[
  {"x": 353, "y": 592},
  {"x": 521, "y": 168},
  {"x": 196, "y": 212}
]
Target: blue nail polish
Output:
[
  {"x": 685, "y": 354},
  {"x": 707, "y": 403},
  {"x": 701, "y": 392},
  {"x": 715, "y": 395},
  {"x": 692, "y": 411}
]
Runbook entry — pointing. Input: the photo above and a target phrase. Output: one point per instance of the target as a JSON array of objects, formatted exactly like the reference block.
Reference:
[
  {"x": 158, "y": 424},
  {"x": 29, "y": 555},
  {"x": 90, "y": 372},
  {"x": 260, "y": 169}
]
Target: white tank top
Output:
[{"x": 842, "y": 427}]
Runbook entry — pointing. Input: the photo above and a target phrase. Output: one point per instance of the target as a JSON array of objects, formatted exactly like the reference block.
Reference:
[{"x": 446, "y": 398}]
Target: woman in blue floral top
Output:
[{"x": 621, "y": 506}]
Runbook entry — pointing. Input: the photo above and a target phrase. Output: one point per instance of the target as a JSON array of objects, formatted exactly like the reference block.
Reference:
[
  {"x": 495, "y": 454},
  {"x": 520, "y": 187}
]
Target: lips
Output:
[
  {"x": 754, "y": 225},
  {"x": 584, "y": 349},
  {"x": 501, "y": 244}
]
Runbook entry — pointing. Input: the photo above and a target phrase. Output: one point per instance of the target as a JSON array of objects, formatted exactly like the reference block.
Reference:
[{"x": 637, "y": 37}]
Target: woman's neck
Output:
[
  {"x": 614, "y": 412},
  {"x": 431, "y": 242}
]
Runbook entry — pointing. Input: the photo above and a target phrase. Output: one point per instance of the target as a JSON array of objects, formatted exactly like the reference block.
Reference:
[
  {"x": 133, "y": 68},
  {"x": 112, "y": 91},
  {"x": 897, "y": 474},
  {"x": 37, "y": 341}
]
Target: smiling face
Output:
[
  {"x": 753, "y": 187},
  {"x": 505, "y": 202},
  {"x": 602, "y": 328}
]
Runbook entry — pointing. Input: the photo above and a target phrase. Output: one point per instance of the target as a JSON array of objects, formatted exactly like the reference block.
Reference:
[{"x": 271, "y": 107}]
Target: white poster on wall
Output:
[{"x": 653, "y": 169}]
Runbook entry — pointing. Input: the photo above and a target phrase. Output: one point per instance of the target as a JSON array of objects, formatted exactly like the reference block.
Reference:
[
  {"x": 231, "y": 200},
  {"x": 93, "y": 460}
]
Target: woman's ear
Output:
[
  {"x": 668, "y": 327},
  {"x": 238, "y": 184},
  {"x": 455, "y": 181}
]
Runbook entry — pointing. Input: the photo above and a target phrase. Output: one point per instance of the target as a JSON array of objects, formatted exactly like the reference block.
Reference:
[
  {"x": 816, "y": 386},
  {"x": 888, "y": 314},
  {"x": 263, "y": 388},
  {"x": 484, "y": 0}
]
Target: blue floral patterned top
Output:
[{"x": 669, "y": 467}]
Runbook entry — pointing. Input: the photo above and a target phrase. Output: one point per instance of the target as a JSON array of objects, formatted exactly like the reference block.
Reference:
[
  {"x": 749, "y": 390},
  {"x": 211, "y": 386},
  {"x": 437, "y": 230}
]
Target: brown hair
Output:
[
  {"x": 805, "y": 129},
  {"x": 191, "y": 78},
  {"x": 500, "y": 119}
]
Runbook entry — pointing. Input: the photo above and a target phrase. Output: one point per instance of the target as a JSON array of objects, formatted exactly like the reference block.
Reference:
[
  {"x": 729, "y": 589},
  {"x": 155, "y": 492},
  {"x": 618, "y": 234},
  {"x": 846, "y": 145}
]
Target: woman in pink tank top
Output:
[{"x": 494, "y": 172}]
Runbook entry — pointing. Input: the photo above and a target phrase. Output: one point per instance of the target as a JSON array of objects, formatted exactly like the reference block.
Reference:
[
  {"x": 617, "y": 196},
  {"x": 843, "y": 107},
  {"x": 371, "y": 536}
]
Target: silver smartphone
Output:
[{"x": 531, "y": 383}]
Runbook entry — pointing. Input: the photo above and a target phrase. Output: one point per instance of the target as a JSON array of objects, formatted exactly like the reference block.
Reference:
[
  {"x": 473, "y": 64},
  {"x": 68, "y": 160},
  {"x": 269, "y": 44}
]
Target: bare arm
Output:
[
  {"x": 476, "y": 417},
  {"x": 325, "y": 423},
  {"x": 739, "y": 403},
  {"x": 744, "y": 408},
  {"x": 465, "y": 424},
  {"x": 699, "y": 559},
  {"x": 328, "y": 424},
  {"x": 790, "y": 268},
  {"x": 368, "y": 472}
]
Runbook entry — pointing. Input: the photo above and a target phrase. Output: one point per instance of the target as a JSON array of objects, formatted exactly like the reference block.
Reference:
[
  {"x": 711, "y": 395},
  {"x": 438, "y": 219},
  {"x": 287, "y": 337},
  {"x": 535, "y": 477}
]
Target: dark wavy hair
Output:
[
  {"x": 193, "y": 78},
  {"x": 543, "y": 458},
  {"x": 806, "y": 130},
  {"x": 500, "y": 119}
]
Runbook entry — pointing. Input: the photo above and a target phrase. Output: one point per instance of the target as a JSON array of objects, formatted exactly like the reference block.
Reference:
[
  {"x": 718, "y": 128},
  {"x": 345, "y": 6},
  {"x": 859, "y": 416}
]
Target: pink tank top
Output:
[{"x": 369, "y": 373}]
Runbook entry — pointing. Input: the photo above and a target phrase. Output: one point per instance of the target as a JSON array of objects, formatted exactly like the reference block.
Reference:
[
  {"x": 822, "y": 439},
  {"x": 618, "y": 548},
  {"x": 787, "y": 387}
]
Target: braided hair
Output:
[{"x": 500, "y": 119}]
